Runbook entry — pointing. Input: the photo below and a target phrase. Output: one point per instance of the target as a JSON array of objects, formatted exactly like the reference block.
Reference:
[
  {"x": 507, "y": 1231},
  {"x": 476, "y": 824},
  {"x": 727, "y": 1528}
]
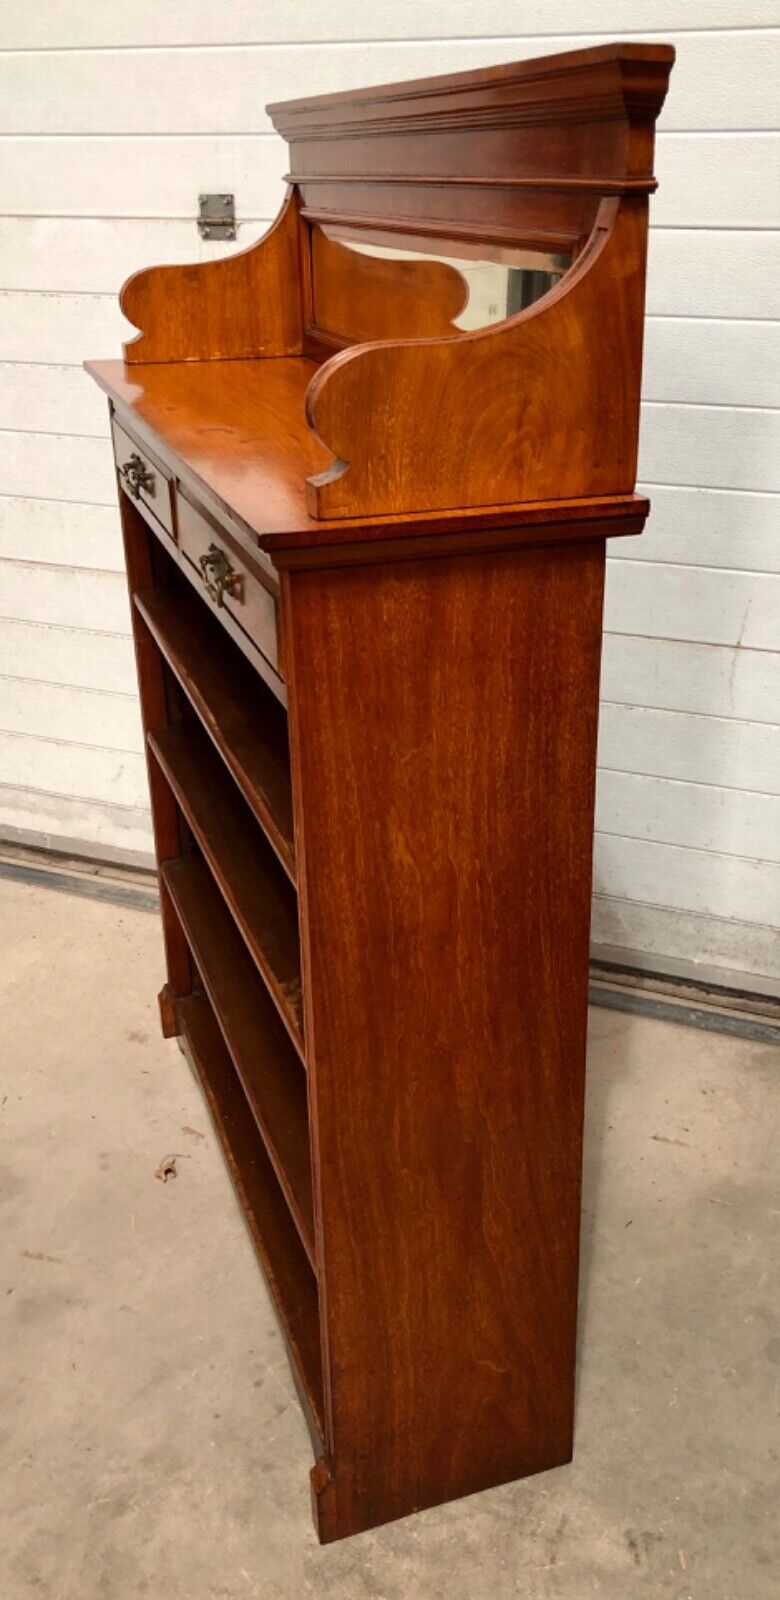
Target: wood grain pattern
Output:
[
  {"x": 359, "y": 297},
  {"x": 169, "y": 836},
  {"x": 235, "y": 435},
  {"x": 544, "y": 405},
  {"x": 447, "y": 1088},
  {"x": 274, "y": 1080},
  {"x": 243, "y": 305},
  {"x": 597, "y": 107},
  {"x": 251, "y": 604},
  {"x": 220, "y": 685},
  {"x": 440, "y": 592},
  {"x": 143, "y": 480},
  {"x": 259, "y": 895},
  {"x": 287, "y": 1272}
]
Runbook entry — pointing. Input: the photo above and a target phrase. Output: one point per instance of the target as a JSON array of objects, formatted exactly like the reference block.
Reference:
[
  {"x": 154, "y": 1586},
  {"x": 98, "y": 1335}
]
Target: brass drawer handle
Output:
[
  {"x": 219, "y": 577},
  {"x": 137, "y": 476}
]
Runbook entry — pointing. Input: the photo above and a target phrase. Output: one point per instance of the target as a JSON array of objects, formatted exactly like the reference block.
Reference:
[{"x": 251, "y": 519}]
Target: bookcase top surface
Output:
[
  {"x": 235, "y": 431},
  {"x": 238, "y": 426}
]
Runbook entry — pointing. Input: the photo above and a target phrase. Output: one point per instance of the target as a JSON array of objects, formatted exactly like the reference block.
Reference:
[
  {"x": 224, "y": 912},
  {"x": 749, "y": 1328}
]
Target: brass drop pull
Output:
[
  {"x": 137, "y": 477},
  {"x": 219, "y": 577}
]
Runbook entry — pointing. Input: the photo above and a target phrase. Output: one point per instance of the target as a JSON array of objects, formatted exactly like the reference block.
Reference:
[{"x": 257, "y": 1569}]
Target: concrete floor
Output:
[{"x": 150, "y": 1440}]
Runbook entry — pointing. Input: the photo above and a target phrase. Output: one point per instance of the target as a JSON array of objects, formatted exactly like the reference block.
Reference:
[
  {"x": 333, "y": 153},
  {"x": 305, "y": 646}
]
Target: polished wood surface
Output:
[
  {"x": 142, "y": 562},
  {"x": 247, "y": 599},
  {"x": 238, "y": 425},
  {"x": 372, "y": 753},
  {"x": 357, "y": 297},
  {"x": 544, "y": 404},
  {"x": 447, "y": 1088},
  {"x": 274, "y": 1081},
  {"x": 219, "y": 684},
  {"x": 244, "y": 305},
  {"x": 259, "y": 895},
  {"x": 285, "y": 1266},
  {"x": 144, "y": 480},
  {"x": 235, "y": 434}
]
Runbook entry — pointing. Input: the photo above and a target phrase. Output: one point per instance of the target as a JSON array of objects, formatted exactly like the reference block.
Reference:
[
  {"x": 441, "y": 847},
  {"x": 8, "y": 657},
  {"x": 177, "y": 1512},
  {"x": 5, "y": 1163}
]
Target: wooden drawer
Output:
[
  {"x": 144, "y": 480},
  {"x": 233, "y": 584}
]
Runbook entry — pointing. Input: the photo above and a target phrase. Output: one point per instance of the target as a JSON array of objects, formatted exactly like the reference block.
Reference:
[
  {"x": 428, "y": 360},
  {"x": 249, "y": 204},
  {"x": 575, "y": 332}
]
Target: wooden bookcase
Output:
[{"x": 365, "y": 549}]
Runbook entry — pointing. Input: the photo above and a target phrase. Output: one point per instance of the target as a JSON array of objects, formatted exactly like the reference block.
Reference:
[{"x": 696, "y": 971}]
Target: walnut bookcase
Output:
[{"x": 365, "y": 548}]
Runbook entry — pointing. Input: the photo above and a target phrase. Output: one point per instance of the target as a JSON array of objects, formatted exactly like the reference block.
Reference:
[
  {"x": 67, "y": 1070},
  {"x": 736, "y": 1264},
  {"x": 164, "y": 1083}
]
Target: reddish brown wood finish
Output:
[
  {"x": 220, "y": 685},
  {"x": 280, "y": 1252},
  {"x": 259, "y": 895},
  {"x": 249, "y": 470},
  {"x": 156, "y": 711},
  {"x": 414, "y": 1194},
  {"x": 450, "y": 877},
  {"x": 274, "y": 1081},
  {"x": 144, "y": 480},
  {"x": 562, "y": 371},
  {"x": 250, "y": 602},
  {"x": 356, "y": 297},
  {"x": 245, "y": 305}
]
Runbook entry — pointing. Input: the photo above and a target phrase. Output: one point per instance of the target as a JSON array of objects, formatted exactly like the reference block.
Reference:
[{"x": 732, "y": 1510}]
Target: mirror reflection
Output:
[{"x": 499, "y": 286}]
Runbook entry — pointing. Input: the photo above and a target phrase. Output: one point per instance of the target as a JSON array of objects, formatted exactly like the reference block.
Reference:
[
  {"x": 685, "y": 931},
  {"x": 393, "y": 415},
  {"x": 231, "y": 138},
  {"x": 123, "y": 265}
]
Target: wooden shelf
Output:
[
  {"x": 258, "y": 893},
  {"x": 274, "y": 1080},
  {"x": 288, "y": 1274},
  {"x": 222, "y": 688}
]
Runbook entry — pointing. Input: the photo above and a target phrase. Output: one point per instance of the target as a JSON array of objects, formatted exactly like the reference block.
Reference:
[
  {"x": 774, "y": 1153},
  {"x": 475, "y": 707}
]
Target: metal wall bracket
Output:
[{"x": 217, "y": 216}]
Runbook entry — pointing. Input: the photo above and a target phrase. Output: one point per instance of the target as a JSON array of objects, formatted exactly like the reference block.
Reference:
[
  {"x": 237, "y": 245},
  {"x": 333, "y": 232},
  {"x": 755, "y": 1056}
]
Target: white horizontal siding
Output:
[
  {"x": 138, "y": 176},
  {"x": 727, "y": 821},
  {"x": 662, "y": 939},
  {"x": 705, "y": 605},
  {"x": 677, "y": 744},
  {"x": 37, "y": 397},
  {"x": 57, "y": 467},
  {"x": 52, "y": 653},
  {"x": 696, "y": 527},
  {"x": 199, "y": 23},
  {"x": 710, "y": 680},
  {"x": 113, "y": 119},
  {"x": 709, "y": 447},
  {"x": 662, "y": 874},
  {"x": 723, "y": 79},
  {"x": 94, "y": 255},
  {"x": 27, "y": 320},
  {"x": 96, "y": 828},
  {"x": 80, "y": 716},
  {"x": 82, "y": 772},
  {"x": 692, "y": 272},
  {"x": 711, "y": 360},
  {"x": 60, "y": 532},
  {"x": 74, "y": 597}
]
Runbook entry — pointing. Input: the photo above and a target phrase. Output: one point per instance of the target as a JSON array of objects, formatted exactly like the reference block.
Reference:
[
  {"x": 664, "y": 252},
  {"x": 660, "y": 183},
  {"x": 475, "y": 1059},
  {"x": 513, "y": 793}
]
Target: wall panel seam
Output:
[
  {"x": 76, "y": 799},
  {"x": 681, "y": 911}
]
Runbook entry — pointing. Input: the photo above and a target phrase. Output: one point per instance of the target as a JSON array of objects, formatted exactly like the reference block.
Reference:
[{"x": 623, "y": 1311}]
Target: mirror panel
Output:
[{"x": 370, "y": 289}]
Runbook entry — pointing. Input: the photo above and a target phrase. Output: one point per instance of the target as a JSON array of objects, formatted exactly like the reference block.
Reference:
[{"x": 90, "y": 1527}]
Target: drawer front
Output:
[
  {"x": 143, "y": 479},
  {"x": 229, "y": 581}
]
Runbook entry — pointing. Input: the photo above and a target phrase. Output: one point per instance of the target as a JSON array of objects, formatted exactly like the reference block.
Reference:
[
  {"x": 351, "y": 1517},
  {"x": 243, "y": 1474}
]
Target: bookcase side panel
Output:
[{"x": 443, "y": 720}]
